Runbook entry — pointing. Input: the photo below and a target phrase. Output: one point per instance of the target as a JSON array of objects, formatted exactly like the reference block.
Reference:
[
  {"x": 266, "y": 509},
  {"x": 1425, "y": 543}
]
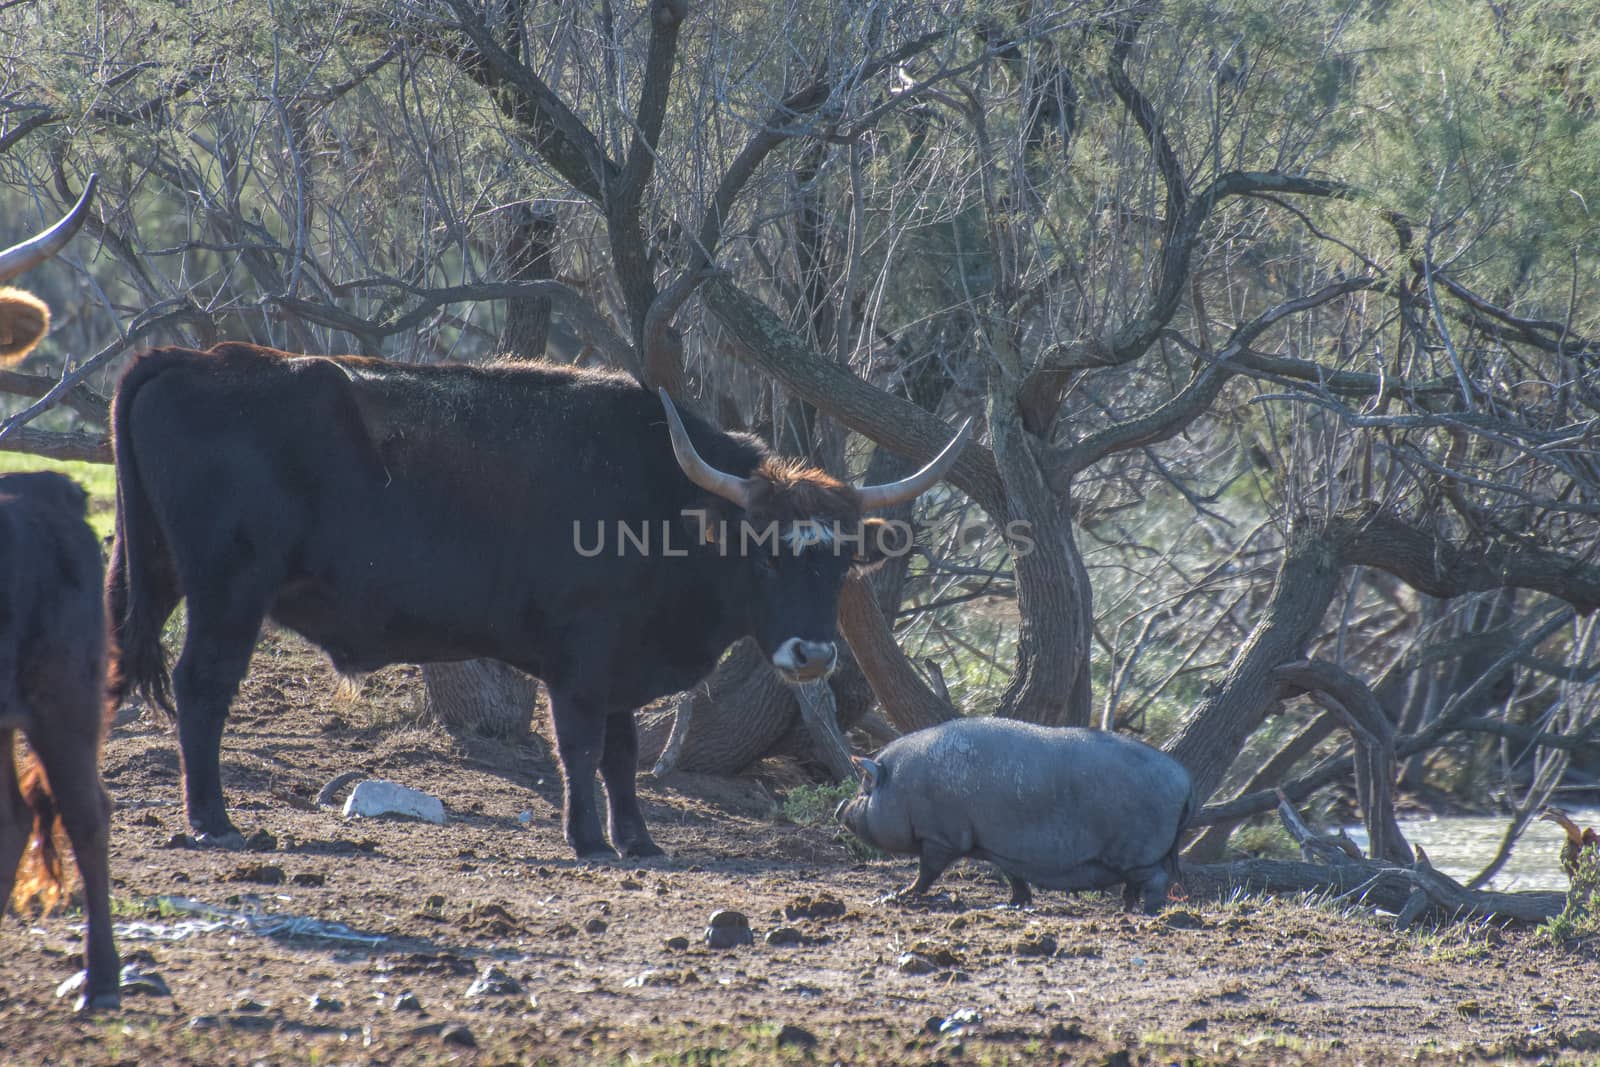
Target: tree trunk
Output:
[
  {"x": 483, "y": 696},
  {"x": 1215, "y": 733},
  {"x": 1054, "y": 599},
  {"x": 531, "y": 258}
]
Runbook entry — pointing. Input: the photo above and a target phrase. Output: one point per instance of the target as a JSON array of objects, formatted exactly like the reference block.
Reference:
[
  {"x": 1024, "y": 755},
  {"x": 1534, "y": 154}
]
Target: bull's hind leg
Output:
[
  {"x": 216, "y": 654},
  {"x": 15, "y": 818},
  {"x": 580, "y": 739},
  {"x": 69, "y": 749},
  {"x": 619, "y": 765}
]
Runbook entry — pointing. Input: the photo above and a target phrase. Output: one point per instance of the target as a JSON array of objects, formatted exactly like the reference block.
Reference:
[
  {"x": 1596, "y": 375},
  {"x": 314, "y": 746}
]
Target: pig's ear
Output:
[{"x": 870, "y": 772}]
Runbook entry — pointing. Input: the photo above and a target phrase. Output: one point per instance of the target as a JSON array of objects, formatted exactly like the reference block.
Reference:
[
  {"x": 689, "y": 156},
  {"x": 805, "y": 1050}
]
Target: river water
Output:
[{"x": 1462, "y": 845}]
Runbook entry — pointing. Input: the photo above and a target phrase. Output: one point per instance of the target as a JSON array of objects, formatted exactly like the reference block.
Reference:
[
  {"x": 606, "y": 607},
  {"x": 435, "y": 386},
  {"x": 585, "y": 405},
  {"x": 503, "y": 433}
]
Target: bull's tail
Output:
[
  {"x": 142, "y": 585},
  {"x": 41, "y": 876}
]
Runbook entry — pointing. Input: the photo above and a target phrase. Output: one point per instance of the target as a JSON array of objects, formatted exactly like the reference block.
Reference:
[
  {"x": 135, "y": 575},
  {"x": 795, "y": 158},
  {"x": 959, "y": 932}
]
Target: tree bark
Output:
[
  {"x": 531, "y": 258},
  {"x": 483, "y": 696},
  {"x": 1215, "y": 733}
]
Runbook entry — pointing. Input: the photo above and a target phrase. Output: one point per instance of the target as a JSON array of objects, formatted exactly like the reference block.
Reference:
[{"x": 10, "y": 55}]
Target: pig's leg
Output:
[
  {"x": 932, "y": 859},
  {"x": 1021, "y": 894},
  {"x": 1151, "y": 891}
]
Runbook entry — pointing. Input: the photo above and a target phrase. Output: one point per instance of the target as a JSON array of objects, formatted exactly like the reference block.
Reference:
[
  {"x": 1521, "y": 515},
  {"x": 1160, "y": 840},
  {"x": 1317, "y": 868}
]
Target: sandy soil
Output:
[{"x": 609, "y": 963}]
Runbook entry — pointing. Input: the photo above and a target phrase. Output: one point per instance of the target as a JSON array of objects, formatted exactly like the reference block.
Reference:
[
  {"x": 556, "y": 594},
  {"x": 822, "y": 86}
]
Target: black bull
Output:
[{"x": 393, "y": 513}]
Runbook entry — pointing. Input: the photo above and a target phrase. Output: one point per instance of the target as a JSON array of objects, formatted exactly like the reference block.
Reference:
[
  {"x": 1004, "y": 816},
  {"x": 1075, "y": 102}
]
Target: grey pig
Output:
[{"x": 1059, "y": 808}]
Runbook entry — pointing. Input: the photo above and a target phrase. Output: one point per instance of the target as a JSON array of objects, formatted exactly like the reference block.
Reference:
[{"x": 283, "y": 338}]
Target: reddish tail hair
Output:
[{"x": 42, "y": 875}]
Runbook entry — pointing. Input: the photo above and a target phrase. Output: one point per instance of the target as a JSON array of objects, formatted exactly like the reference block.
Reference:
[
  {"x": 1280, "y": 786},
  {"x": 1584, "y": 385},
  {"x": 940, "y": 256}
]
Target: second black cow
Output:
[{"x": 565, "y": 522}]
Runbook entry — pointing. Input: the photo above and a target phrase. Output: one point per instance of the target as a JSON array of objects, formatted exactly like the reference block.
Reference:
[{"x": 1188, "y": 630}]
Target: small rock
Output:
[
  {"x": 322, "y": 1003},
  {"x": 791, "y": 1036},
  {"x": 204, "y": 1022},
  {"x": 261, "y": 841},
  {"x": 1183, "y": 919},
  {"x": 1583, "y": 1041},
  {"x": 177, "y": 841},
  {"x": 408, "y": 1001},
  {"x": 821, "y": 906},
  {"x": 257, "y": 874},
  {"x": 248, "y": 1004},
  {"x": 729, "y": 929},
  {"x": 456, "y": 1034},
  {"x": 494, "y": 981},
  {"x": 630, "y": 883},
  {"x": 375, "y": 797},
  {"x": 596, "y": 925},
  {"x": 1035, "y": 945},
  {"x": 678, "y": 944},
  {"x": 149, "y": 818},
  {"x": 1197, "y": 1026},
  {"x": 913, "y": 963},
  {"x": 147, "y": 983},
  {"x": 1067, "y": 1033},
  {"x": 785, "y": 936},
  {"x": 310, "y": 878},
  {"x": 960, "y": 1021}
]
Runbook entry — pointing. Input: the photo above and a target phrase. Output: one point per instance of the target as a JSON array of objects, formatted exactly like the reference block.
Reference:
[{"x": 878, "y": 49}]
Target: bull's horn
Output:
[
  {"x": 728, "y": 486},
  {"x": 878, "y": 497},
  {"x": 35, "y": 250}
]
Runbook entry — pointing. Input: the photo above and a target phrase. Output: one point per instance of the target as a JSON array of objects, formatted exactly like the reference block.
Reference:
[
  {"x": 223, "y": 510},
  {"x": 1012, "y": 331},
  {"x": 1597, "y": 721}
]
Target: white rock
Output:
[{"x": 378, "y": 797}]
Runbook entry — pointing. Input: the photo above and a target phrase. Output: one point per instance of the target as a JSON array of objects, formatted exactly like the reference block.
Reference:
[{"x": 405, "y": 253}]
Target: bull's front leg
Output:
[
  {"x": 619, "y": 765},
  {"x": 580, "y": 739}
]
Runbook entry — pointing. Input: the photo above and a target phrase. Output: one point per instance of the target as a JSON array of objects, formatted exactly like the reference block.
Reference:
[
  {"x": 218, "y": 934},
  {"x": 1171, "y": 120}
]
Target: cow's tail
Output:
[
  {"x": 41, "y": 876},
  {"x": 141, "y": 586}
]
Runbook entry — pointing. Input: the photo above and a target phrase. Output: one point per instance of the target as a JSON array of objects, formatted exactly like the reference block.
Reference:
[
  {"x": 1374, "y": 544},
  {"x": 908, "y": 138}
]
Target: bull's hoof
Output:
[
  {"x": 601, "y": 853},
  {"x": 641, "y": 850},
  {"x": 106, "y": 1001},
  {"x": 230, "y": 839}
]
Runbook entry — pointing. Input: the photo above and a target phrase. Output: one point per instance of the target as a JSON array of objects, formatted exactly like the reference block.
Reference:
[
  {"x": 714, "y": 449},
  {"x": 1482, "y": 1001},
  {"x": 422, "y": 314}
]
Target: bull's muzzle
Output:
[{"x": 799, "y": 660}]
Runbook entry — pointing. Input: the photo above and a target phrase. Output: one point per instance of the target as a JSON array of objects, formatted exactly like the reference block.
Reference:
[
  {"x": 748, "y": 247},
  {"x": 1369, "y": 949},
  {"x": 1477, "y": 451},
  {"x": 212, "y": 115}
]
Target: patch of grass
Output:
[
  {"x": 1580, "y": 920},
  {"x": 1268, "y": 841},
  {"x": 98, "y": 479},
  {"x": 813, "y": 805}
]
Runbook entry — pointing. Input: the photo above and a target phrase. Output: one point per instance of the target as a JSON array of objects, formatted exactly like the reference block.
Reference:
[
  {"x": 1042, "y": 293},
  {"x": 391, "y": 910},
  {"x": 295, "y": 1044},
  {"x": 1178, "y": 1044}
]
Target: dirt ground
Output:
[{"x": 609, "y": 963}]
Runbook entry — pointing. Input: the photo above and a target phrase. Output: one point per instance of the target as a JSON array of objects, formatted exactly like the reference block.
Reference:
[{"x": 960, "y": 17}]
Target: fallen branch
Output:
[{"x": 1411, "y": 892}]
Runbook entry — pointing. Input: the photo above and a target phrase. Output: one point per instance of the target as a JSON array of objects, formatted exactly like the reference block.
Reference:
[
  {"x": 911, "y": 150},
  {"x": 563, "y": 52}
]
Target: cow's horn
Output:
[
  {"x": 728, "y": 486},
  {"x": 877, "y": 497},
  {"x": 35, "y": 250}
]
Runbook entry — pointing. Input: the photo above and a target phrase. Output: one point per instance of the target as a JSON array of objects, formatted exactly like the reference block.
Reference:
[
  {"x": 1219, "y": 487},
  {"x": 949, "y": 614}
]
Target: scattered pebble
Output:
[
  {"x": 729, "y": 929},
  {"x": 678, "y": 944},
  {"x": 261, "y": 841},
  {"x": 257, "y": 874},
  {"x": 785, "y": 936},
  {"x": 321, "y": 1003},
  {"x": 914, "y": 963},
  {"x": 821, "y": 906},
  {"x": 408, "y": 1001},
  {"x": 1035, "y": 945},
  {"x": 494, "y": 981},
  {"x": 596, "y": 925},
  {"x": 310, "y": 878},
  {"x": 457, "y": 1034},
  {"x": 791, "y": 1036}
]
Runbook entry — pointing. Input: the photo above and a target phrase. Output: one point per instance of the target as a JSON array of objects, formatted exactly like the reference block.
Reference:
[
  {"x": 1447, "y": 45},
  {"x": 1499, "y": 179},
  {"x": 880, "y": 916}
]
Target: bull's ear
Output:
[
  {"x": 881, "y": 539},
  {"x": 871, "y": 772},
  {"x": 709, "y": 522}
]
